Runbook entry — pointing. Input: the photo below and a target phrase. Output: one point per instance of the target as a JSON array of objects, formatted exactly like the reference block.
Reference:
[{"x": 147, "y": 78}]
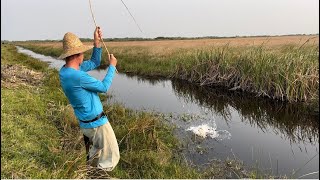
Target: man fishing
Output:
[{"x": 82, "y": 91}]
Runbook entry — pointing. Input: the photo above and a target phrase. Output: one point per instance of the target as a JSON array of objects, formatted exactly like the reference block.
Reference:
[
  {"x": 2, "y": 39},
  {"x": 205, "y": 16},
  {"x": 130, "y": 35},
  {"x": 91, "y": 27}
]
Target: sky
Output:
[{"x": 51, "y": 19}]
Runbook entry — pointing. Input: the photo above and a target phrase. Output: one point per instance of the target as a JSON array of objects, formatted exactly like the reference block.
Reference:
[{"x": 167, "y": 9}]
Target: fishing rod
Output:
[{"x": 94, "y": 20}]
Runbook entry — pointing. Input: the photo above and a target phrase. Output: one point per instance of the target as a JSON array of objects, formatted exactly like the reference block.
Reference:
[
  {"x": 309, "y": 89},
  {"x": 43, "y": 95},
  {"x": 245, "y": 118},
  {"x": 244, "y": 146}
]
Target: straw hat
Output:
[{"x": 72, "y": 45}]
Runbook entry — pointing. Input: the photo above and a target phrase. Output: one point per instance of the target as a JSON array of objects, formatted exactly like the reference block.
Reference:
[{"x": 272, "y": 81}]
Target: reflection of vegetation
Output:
[
  {"x": 294, "y": 121},
  {"x": 151, "y": 79}
]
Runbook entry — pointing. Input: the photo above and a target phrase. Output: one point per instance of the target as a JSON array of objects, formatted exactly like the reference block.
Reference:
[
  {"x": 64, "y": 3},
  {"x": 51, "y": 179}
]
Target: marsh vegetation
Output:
[
  {"x": 282, "y": 68},
  {"x": 41, "y": 137}
]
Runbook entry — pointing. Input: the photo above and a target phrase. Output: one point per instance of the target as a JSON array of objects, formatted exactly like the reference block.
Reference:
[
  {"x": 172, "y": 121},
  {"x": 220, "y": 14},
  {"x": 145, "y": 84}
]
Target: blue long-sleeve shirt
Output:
[{"x": 82, "y": 89}]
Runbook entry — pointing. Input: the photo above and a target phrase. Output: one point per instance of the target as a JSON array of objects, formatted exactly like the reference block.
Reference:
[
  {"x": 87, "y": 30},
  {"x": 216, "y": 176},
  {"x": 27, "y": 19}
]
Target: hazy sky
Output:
[{"x": 51, "y": 19}]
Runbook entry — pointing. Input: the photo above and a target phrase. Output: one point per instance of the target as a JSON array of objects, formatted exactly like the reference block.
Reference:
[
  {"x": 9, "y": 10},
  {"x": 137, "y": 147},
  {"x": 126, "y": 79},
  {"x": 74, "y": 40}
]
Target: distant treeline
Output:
[{"x": 161, "y": 38}]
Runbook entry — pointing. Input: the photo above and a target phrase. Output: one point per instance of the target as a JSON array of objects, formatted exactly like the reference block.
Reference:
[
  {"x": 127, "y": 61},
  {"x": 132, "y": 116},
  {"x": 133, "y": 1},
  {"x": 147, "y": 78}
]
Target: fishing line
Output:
[{"x": 132, "y": 16}]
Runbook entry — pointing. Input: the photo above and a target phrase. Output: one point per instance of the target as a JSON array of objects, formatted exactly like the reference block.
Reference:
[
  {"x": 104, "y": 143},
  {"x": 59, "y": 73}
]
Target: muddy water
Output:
[{"x": 274, "y": 136}]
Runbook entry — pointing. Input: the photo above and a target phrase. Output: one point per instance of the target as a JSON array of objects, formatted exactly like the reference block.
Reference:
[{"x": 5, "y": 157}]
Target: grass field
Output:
[
  {"x": 40, "y": 137},
  {"x": 283, "y": 68},
  {"x": 174, "y": 44}
]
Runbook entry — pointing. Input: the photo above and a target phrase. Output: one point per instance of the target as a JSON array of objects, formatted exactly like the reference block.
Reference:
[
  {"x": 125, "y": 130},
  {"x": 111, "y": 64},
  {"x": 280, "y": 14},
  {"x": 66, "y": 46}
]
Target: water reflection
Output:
[
  {"x": 290, "y": 120},
  {"x": 149, "y": 80}
]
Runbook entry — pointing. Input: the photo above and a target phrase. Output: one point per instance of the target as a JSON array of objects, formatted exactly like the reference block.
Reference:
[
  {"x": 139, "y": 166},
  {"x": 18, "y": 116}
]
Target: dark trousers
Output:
[{"x": 87, "y": 143}]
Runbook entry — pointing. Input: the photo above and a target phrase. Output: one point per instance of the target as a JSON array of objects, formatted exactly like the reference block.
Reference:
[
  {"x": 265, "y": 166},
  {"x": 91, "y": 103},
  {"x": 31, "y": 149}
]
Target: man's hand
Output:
[
  {"x": 97, "y": 36},
  {"x": 113, "y": 61}
]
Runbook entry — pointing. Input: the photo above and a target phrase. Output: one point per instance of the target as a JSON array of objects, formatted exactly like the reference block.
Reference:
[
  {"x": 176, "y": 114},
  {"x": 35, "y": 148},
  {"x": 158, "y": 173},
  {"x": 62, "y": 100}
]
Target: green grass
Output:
[
  {"x": 32, "y": 127},
  {"x": 41, "y": 137}
]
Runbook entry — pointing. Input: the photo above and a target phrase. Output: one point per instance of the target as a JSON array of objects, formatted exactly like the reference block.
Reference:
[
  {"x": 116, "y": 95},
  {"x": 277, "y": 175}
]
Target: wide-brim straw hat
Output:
[{"x": 72, "y": 45}]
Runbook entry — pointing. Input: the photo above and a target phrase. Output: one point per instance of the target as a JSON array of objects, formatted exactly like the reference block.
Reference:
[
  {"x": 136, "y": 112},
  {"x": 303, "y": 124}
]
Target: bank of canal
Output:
[{"x": 273, "y": 136}]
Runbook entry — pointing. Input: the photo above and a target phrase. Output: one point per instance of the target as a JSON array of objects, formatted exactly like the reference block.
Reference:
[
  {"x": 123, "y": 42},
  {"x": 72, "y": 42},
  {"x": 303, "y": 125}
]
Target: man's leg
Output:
[
  {"x": 93, "y": 148},
  {"x": 104, "y": 151},
  {"x": 87, "y": 144},
  {"x": 110, "y": 155}
]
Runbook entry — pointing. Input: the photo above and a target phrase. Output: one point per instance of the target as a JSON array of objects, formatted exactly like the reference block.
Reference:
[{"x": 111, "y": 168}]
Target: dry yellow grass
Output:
[
  {"x": 167, "y": 47},
  {"x": 271, "y": 41},
  {"x": 248, "y": 41}
]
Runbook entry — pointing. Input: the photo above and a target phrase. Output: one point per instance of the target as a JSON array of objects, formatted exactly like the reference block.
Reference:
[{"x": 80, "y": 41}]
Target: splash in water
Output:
[{"x": 207, "y": 131}]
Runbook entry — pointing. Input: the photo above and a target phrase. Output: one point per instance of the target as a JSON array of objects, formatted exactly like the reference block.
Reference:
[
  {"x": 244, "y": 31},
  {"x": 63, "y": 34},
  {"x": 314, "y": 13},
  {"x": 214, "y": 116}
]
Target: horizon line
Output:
[{"x": 172, "y": 37}]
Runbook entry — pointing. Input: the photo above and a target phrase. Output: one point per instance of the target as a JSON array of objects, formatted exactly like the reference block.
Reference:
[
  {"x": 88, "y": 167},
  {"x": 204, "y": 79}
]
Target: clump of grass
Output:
[{"x": 291, "y": 75}]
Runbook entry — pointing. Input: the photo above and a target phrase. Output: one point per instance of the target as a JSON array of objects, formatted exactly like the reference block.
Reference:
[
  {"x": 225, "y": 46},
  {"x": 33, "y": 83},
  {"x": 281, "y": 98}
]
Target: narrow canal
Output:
[{"x": 273, "y": 136}]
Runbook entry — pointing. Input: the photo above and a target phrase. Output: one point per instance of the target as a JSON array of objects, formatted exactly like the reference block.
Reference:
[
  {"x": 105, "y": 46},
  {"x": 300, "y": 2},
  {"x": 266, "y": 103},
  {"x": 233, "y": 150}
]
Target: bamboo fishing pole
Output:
[{"x": 95, "y": 23}]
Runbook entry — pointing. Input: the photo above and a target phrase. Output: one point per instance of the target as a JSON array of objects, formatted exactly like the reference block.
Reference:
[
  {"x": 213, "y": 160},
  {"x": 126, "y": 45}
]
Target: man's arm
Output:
[
  {"x": 92, "y": 84},
  {"x": 95, "y": 60}
]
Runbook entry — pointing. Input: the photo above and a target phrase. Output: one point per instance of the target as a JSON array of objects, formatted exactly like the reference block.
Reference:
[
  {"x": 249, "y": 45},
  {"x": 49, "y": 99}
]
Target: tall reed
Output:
[{"x": 289, "y": 74}]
